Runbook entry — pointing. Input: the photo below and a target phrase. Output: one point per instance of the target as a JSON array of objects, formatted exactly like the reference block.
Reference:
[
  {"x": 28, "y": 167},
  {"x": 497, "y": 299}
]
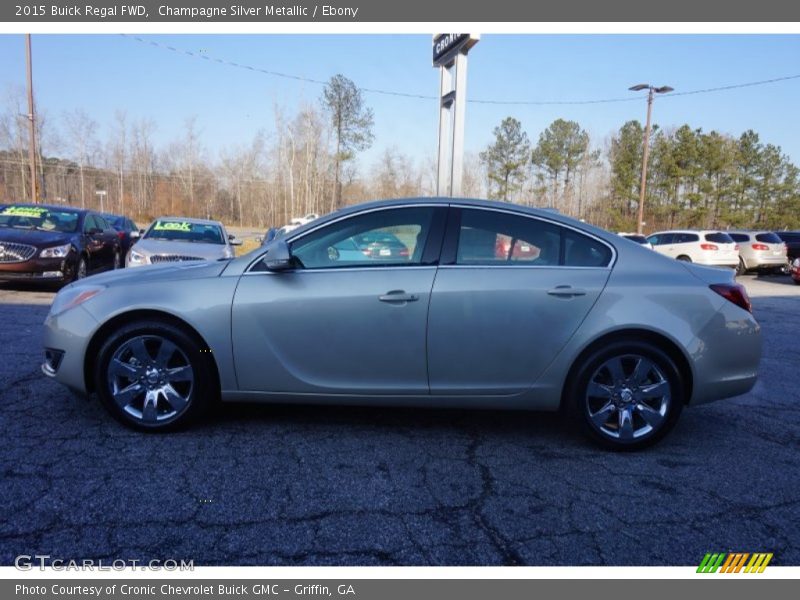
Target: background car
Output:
[
  {"x": 710, "y": 248},
  {"x": 638, "y": 238},
  {"x": 179, "y": 239},
  {"x": 759, "y": 251},
  {"x": 622, "y": 342},
  {"x": 792, "y": 241},
  {"x": 126, "y": 229},
  {"x": 382, "y": 245},
  {"x": 794, "y": 271},
  {"x": 55, "y": 243}
]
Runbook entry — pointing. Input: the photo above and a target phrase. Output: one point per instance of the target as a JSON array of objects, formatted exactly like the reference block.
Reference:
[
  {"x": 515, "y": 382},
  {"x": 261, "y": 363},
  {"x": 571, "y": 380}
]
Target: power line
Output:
[{"x": 237, "y": 65}]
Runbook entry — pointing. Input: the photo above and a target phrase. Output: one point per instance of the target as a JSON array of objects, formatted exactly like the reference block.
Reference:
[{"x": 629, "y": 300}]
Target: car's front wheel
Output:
[
  {"x": 151, "y": 375},
  {"x": 628, "y": 395}
]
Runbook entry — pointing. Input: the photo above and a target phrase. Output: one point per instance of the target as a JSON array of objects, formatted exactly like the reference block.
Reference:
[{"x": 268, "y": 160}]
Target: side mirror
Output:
[
  {"x": 278, "y": 257},
  {"x": 233, "y": 242},
  {"x": 135, "y": 235}
]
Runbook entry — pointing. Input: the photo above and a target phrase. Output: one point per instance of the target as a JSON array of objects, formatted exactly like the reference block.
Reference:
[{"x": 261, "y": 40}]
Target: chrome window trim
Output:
[{"x": 454, "y": 204}]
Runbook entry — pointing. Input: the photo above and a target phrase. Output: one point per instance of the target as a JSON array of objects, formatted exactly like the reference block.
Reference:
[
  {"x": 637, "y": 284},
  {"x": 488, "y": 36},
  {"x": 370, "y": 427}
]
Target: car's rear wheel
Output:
[
  {"x": 117, "y": 260},
  {"x": 684, "y": 258},
  {"x": 628, "y": 395},
  {"x": 741, "y": 269},
  {"x": 151, "y": 375}
]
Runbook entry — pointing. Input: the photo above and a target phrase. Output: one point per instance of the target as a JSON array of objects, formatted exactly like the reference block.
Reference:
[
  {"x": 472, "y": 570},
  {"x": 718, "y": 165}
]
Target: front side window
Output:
[
  {"x": 393, "y": 237},
  {"x": 495, "y": 238}
]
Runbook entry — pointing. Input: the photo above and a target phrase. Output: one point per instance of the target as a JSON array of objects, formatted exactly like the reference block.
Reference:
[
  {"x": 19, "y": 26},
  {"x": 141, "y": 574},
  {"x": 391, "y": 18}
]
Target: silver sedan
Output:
[{"x": 474, "y": 304}]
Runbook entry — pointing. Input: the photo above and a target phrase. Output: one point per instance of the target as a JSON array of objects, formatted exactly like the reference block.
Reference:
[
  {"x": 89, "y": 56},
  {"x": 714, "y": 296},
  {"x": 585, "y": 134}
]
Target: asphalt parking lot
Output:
[{"x": 310, "y": 485}]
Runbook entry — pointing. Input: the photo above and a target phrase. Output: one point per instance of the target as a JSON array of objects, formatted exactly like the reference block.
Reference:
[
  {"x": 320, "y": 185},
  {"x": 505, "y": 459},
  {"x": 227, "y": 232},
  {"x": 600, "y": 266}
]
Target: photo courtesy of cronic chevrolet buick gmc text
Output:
[
  {"x": 618, "y": 336},
  {"x": 55, "y": 244}
]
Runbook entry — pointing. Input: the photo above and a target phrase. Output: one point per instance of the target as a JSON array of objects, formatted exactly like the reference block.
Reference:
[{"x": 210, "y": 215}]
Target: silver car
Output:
[
  {"x": 493, "y": 306},
  {"x": 180, "y": 239},
  {"x": 760, "y": 251}
]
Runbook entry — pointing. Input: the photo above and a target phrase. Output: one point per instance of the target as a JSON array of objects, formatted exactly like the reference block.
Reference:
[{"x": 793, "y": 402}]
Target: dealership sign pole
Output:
[{"x": 450, "y": 55}]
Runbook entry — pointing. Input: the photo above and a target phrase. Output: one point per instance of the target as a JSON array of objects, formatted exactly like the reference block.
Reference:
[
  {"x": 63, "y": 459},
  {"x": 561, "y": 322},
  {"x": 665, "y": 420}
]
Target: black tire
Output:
[
  {"x": 684, "y": 258},
  {"x": 81, "y": 269},
  {"x": 117, "y": 264},
  {"x": 578, "y": 400},
  {"x": 740, "y": 268},
  {"x": 200, "y": 394},
  {"x": 796, "y": 281}
]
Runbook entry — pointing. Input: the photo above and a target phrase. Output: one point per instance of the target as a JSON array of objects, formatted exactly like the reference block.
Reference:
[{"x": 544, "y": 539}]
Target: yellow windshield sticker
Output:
[
  {"x": 172, "y": 226},
  {"x": 24, "y": 211}
]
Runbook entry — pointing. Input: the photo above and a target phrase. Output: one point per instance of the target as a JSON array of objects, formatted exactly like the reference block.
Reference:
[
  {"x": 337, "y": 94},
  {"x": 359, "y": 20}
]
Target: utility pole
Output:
[
  {"x": 651, "y": 91},
  {"x": 31, "y": 120}
]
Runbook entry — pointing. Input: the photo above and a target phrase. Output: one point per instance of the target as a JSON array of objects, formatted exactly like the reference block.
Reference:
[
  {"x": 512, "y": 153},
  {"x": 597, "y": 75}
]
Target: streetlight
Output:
[{"x": 642, "y": 188}]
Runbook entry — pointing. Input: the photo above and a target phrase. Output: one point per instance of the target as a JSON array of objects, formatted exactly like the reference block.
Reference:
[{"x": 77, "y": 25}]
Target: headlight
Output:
[
  {"x": 56, "y": 251},
  {"x": 70, "y": 297},
  {"x": 796, "y": 262},
  {"x": 137, "y": 257}
]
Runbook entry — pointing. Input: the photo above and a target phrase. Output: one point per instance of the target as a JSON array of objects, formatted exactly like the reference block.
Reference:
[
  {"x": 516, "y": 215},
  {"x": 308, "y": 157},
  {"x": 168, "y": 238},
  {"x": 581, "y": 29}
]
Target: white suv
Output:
[{"x": 712, "y": 248}]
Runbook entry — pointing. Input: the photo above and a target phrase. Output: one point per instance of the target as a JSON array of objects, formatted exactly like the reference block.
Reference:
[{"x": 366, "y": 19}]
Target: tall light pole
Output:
[
  {"x": 652, "y": 91},
  {"x": 31, "y": 119}
]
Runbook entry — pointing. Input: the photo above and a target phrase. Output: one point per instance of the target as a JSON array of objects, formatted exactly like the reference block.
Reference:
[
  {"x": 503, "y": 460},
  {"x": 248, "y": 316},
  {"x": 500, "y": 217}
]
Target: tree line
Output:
[
  {"x": 694, "y": 179},
  {"x": 309, "y": 163}
]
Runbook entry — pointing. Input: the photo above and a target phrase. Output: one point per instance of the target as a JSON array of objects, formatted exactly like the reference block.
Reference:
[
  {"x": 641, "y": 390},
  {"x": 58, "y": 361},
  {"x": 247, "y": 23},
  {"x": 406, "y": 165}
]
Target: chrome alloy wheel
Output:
[
  {"x": 150, "y": 378},
  {"x": 628, "y": 397}
]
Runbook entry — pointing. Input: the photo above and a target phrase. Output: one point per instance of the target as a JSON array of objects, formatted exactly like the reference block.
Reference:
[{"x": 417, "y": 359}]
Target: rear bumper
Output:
[
  {"x": 727, "y": 353},
  {"x": 38, "y": 269},
  {"x": 756, "y": 261}
]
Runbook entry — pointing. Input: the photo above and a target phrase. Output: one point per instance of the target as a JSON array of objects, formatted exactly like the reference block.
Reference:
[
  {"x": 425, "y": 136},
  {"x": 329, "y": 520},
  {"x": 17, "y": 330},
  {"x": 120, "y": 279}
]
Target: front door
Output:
[{"x": 351, "y": 316}]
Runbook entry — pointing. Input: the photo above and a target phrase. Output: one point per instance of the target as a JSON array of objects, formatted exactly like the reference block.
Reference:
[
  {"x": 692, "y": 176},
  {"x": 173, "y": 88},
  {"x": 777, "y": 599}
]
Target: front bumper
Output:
[
  {"x": 38, "y": 269},
  {"x": 66, "y": 338}
]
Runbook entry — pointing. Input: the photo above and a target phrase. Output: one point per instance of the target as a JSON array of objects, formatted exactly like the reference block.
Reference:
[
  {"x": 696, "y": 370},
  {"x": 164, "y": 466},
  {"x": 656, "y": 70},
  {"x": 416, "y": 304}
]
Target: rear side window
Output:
[
  {"x": 739, "y": 237},
  {"x": 719, "y": 238},
  {"x": 495, "y": 238},
  {"x": 768, "y": 238},
  {"x": 686, "y": 238}
]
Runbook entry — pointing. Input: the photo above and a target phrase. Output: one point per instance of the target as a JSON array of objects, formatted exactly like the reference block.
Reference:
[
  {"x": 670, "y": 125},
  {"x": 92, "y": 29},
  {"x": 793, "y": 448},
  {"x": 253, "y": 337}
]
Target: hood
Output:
[
  {"x": 149, "y": 247},
  {"x": 151, "y": 273},
  {"x": 34, "y": 237}
]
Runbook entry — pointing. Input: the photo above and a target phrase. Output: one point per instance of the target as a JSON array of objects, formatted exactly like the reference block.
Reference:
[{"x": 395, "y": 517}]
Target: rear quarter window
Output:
[
  {"x": 719, "y": 238},
  {"x": 768, "y": 238}
]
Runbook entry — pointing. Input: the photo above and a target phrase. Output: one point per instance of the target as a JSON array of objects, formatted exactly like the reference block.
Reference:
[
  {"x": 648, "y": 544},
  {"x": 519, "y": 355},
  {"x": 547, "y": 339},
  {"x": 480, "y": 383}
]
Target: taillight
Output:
[
  {"x": 120, "y": 235},
  {"x": 404, "y": 252},
  {"x": 736, "y": 247},
  {"x": 760, "y": 247},
  {"x": 709, "y": 246},
  {"x": 734, "y": 292}
]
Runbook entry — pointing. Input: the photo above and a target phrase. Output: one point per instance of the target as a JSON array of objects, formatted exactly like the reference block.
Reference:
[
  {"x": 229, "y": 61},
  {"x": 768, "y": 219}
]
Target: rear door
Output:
[
  {"x": 661, "y": 242},
  {"x": 510, "y": 291}
]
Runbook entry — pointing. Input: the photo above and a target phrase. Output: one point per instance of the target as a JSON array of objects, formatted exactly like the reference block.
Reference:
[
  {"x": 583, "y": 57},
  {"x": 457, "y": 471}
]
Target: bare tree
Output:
[{"x": 81, "y": 129}]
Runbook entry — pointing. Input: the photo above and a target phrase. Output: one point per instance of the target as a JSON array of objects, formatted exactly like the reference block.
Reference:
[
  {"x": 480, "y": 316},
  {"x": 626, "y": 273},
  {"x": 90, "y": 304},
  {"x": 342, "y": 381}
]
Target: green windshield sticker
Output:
[
  {"x": 172, "y": 226},
  {"x": 24, "y": 211}
]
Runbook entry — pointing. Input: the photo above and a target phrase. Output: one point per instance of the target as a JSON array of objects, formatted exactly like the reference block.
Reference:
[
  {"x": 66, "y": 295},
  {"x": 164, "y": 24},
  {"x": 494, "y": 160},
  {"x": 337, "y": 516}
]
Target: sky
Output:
[{"x": 104, "y": 73}]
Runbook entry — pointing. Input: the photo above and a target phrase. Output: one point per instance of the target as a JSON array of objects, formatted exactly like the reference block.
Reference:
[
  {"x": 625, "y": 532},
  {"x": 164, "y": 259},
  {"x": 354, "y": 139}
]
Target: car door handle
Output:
[
  {"x": 398, "y": 296},
  {"x": 566, "y": 291}
]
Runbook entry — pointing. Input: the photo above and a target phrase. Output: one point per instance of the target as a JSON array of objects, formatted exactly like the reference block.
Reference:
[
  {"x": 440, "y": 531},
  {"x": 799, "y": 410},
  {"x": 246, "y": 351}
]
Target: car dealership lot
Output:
[{"x": 311, "y": 485}]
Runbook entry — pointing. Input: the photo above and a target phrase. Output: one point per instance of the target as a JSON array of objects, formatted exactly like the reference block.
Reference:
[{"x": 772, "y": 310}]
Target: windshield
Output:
[
  {"x": 38, "y": 217},
  {"x": 184, "y": 231}
]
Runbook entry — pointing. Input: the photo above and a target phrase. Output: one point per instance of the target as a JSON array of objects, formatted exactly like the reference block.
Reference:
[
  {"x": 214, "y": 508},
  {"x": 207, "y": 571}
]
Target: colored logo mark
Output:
[{"x": 735, "y": 562}]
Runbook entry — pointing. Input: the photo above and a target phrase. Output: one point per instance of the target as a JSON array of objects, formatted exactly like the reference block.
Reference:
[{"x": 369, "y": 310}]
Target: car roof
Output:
[
  {"x": 690, "y": 231},
  {"x": 543, "y": 213}
]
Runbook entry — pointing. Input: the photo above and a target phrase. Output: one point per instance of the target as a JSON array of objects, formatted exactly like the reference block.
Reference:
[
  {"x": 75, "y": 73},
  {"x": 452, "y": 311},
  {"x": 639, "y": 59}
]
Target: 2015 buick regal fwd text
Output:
[{"x": 428, "y": 302}]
